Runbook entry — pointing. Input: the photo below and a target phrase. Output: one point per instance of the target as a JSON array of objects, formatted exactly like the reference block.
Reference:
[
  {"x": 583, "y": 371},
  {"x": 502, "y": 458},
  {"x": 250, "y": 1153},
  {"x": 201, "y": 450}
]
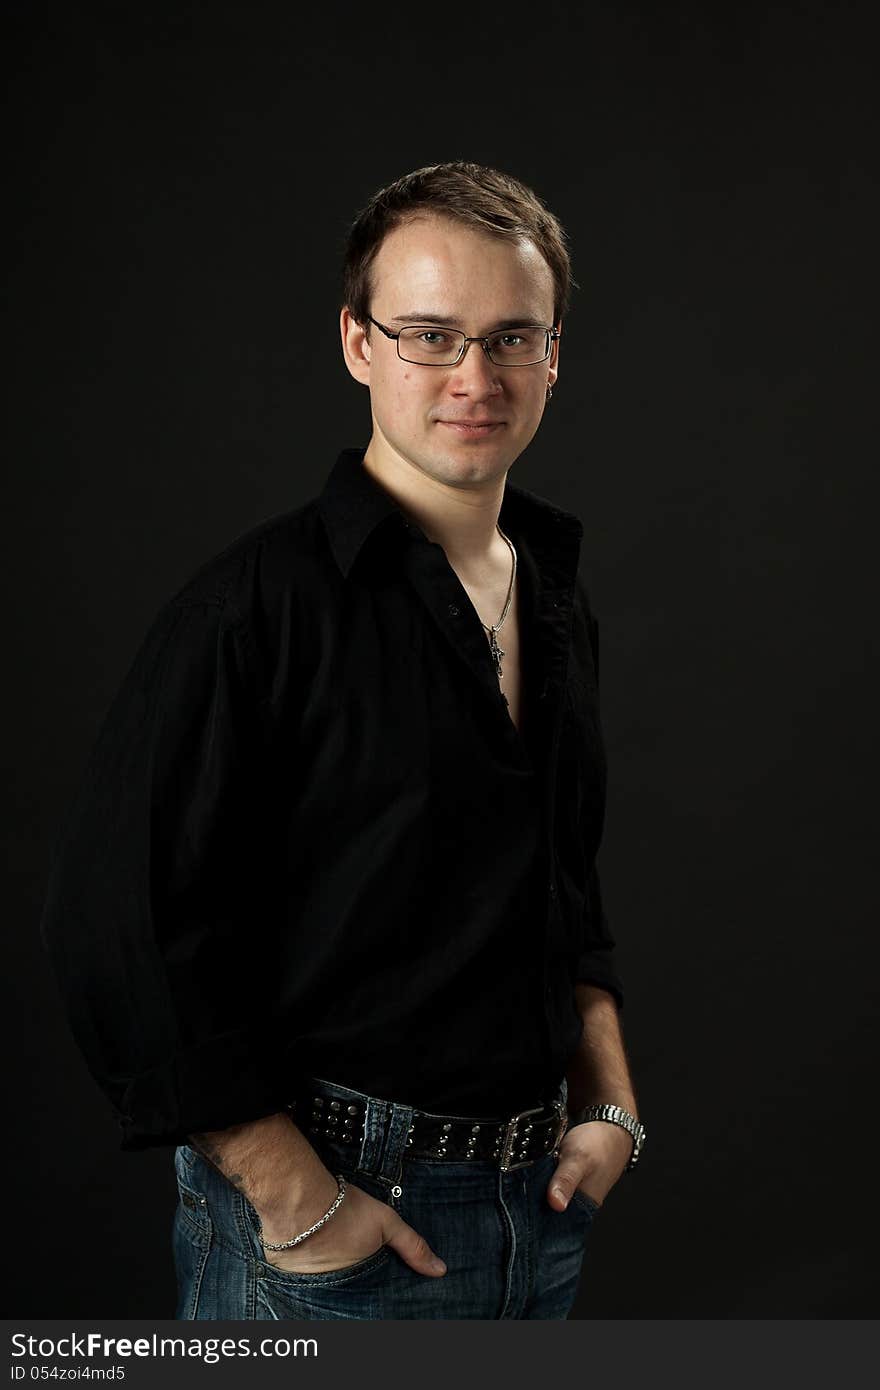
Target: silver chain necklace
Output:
[{"x": 498, "y": 652}]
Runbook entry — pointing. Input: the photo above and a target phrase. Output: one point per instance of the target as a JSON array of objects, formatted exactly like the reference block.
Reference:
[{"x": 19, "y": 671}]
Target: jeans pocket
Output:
[
  {"x": 336, "y": 1278},
  {"x": 358, "y": 1290},
  {"x": 585, "y": 1203},
  {"x": 346, "y": 1274}
]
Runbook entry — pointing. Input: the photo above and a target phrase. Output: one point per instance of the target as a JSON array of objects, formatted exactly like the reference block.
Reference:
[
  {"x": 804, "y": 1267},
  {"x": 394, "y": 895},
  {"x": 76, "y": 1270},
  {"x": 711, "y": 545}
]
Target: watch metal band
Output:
[{"x": 615, "y": 1115}]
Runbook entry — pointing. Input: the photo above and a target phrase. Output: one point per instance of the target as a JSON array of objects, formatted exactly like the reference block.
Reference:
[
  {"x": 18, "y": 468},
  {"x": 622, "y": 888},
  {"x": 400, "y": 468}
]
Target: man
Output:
[{"x": 326, "y": 911}]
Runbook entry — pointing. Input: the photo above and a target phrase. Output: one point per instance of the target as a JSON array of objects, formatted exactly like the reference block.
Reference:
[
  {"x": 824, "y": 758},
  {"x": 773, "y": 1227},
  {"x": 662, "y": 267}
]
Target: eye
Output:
[{"x": 432, "y": 337}]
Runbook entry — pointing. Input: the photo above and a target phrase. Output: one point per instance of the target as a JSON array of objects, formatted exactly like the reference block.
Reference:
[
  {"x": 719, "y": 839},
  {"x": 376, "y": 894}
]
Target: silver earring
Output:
[{"x": 549, "y": 392}]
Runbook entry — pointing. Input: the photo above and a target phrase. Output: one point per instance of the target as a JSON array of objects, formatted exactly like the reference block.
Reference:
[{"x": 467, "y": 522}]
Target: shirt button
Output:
[{"x": 454, "y": 610}]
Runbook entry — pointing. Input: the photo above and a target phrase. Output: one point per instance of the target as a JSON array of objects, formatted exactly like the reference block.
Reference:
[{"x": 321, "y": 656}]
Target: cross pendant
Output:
[{"x": 496, "y": 651}]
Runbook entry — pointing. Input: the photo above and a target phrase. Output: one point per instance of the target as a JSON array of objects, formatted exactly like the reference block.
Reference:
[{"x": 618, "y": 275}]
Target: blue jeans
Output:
[{"x": 508, "y": 1253}]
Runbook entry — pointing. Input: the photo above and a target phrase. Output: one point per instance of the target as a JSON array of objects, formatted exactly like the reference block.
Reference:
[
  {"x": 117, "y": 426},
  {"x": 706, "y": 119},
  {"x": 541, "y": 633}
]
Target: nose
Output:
[{"x": 475, "y": 373}]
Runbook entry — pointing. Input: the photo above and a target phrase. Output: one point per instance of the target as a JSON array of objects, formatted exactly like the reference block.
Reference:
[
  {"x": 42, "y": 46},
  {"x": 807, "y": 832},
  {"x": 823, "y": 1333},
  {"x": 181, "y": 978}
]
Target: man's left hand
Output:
[{"x": 592, "y": 1157}]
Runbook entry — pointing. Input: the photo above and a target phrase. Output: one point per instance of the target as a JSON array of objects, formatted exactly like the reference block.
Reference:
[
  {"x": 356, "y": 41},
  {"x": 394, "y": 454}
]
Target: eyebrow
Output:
[{"x": 443, "y": 321}]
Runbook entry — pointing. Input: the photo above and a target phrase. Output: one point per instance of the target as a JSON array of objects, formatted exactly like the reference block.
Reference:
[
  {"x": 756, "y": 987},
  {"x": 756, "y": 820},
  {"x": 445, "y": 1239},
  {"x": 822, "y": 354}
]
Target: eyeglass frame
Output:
[{"x": 553, "y": 336}]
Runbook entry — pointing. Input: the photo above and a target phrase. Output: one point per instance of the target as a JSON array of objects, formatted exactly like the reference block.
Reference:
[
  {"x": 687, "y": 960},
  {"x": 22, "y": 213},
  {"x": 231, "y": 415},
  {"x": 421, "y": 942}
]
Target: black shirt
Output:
[{"x": 310, "y": 840}]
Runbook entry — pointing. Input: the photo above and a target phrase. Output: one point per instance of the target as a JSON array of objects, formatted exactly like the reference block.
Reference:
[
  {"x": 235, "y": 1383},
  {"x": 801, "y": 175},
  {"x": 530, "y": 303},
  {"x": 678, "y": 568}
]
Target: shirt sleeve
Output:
[
  {"x": 158, "y": 916},
  {"x": 597, "y": 962}
]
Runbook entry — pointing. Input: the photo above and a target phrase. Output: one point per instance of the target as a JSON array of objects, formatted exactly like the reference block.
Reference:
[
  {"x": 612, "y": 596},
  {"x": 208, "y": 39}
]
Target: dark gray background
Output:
[{"x": 181, "y": 183}]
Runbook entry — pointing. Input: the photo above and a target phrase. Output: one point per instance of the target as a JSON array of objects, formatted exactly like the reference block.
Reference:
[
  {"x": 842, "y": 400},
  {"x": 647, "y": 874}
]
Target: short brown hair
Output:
[{"x": 478, "y": 196}]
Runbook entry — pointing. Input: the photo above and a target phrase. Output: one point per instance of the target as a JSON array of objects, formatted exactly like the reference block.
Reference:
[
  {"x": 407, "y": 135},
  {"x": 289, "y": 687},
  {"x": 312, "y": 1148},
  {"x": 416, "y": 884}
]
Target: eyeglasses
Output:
[{"x": 430, "y": 346}]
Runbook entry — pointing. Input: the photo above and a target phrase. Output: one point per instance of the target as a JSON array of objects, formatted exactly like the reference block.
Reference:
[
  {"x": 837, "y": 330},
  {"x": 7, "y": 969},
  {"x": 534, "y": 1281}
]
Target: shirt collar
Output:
[{"x": 354, "y": 505}]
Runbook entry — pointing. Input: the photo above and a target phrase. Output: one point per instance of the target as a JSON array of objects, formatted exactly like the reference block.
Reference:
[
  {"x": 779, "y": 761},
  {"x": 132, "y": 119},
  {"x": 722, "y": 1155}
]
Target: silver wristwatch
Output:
[{"x": 615, "y": 1115}]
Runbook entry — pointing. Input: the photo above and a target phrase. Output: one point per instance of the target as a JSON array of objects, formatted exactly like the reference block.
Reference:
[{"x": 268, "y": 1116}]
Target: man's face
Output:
[{"x": 434, "y": 270}]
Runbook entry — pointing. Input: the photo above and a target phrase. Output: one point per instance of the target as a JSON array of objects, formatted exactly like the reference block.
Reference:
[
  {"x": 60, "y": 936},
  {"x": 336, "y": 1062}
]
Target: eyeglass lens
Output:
[{"x": 442, "y": 346}]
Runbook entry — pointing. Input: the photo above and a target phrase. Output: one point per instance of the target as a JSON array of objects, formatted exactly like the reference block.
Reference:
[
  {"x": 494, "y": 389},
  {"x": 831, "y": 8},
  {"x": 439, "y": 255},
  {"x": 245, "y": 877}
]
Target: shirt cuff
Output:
[
  {"x": 223, "y": 1081},
  {"x": 596, "y": 967}
]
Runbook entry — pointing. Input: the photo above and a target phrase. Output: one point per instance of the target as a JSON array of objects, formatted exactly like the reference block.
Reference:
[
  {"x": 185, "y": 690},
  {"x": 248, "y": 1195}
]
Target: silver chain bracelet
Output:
[{"x": 331, "y": 1211}]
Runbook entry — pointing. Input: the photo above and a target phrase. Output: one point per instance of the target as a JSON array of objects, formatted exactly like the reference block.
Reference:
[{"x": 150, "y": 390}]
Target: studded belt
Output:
[{"x": 511, "y": 1142}]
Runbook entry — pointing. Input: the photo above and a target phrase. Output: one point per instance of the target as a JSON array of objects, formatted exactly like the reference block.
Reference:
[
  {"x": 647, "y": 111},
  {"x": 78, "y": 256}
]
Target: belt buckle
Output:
[{"x": 511, "y": 1130}]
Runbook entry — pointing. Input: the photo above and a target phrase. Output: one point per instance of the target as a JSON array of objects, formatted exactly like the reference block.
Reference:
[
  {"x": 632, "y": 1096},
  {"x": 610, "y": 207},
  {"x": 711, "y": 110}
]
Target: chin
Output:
[{"x": 466, "y": 471}]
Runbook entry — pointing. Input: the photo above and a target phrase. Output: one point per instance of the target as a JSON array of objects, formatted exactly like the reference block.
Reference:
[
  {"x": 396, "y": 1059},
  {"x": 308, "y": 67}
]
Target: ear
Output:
[
  {"x": 553, "y": 364},
  {"x": 355, "y": 348}
]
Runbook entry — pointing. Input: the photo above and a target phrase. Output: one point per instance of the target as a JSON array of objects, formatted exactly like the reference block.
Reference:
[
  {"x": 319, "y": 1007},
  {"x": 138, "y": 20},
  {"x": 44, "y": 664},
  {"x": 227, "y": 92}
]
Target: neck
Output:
[{"x": 462, "y": 519}]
